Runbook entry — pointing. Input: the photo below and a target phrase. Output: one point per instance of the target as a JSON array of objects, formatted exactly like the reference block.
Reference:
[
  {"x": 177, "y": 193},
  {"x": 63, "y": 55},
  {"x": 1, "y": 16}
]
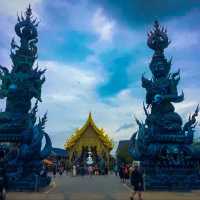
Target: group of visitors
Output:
[
  {"x": 124, "y": 172},
  {"x": 79, "y": 170},
  {"x": 88, "y": 170},
  {"x": 132, "y": 174},
  {"x": 58, "y": 169}
]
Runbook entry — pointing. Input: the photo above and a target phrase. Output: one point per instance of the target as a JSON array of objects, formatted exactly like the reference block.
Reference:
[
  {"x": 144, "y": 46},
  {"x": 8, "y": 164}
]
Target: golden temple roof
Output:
[{"x": 79, "y": 132}]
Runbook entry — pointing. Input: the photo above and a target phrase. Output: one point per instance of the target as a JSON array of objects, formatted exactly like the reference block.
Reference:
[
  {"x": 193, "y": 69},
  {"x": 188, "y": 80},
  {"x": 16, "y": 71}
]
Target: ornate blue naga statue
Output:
[
  {"x": 18, "y": 127},
  {"x": 163, "y": 144}
]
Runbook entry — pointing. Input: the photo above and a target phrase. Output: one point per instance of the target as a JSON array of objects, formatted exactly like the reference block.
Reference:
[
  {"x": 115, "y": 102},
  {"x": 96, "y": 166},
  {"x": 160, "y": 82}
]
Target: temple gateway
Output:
[{"x": 89, "y": 145}]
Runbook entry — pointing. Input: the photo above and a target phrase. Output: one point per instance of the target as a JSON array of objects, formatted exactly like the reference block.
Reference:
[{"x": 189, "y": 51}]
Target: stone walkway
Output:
[{"x": 96, "y": 188}]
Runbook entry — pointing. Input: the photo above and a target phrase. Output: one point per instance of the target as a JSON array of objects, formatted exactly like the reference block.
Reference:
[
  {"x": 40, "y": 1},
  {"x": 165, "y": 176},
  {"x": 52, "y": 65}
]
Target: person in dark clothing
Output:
[
  {"x": 82, "y": 170},
  {"x": 121, "y": 173},
  {"x": 106, "y": 170},
  {"x": 54, "y": 171},
  {"x": 137, "y": 182},
  {"x": 126, "y": 173},
  {"x": 2, "y": 177},
  {"x": 116, "y": 169}
]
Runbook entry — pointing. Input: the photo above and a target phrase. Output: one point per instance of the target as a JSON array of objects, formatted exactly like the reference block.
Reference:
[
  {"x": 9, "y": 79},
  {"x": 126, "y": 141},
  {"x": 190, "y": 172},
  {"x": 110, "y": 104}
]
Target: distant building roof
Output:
[
  {"x": 59, "y": 152},
  {"x": 122, "y": 143}
]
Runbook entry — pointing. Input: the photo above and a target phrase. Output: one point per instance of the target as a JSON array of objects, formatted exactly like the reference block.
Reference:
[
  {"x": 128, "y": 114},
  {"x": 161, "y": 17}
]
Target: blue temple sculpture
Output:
[
  {"x": 21, "y": 133},
  {"x": 163, "y": 144}
]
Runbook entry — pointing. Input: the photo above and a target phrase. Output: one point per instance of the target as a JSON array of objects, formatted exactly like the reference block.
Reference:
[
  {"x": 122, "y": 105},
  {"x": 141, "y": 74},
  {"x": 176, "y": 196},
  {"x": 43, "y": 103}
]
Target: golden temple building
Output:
[{"x": 89, "y": 138}]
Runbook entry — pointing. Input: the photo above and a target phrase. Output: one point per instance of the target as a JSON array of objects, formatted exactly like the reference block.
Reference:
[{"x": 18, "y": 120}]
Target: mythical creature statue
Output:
[
  {"x": 163, "y": 144},
  {"x": 162, "y": 89},
  {"x": 18, "y": 122},
  {"x": 23, "y": 82},
  {"x": 29, "y": 154}
]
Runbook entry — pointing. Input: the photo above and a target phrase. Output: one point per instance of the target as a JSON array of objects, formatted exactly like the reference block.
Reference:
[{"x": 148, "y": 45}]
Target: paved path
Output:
[
  {"x": 96, "y": 188},
  {"x": 91, "y": 188}
]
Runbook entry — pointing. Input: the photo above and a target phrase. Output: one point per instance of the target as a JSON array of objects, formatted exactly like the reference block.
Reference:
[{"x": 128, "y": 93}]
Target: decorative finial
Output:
[
  {"x": 158, "y": 41},
  {"x": 157, "y": 38},
  {"x": 28, "y": 12},
  {"x": 26, "y": 30},
  {"x": 90, "y": 115}
]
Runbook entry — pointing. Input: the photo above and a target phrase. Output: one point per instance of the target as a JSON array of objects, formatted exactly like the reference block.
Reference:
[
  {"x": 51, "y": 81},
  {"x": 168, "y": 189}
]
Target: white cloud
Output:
[
  {"x": 102, "y": 25},
  {"x": 69, "y": 94},
  {"x": 67, "y": 82}
]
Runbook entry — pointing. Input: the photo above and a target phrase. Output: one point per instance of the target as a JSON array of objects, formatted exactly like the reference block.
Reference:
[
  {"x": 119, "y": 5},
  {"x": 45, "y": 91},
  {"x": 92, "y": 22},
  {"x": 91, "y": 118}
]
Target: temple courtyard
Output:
[{"x": 96, "y": 188}]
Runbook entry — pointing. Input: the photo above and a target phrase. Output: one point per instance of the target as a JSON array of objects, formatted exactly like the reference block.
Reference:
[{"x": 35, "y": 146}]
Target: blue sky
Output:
[{"x": 95, "y": 52}]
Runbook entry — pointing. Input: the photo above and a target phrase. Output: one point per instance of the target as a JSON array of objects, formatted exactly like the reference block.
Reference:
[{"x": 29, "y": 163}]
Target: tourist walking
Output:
[
  {"x": 74, "y": 171},
  {"x": 82, "y": 170},
  {"x": 137, "y": 182},
  {"x": 54, "y": 171},
  {"x": 106, "y": 170},
  {"x": 96, "y": 170},
  {"x": 126, "y": 173},
  {"x": 60, "y": 170},
  {"x": 67, "y": 170},
  {"x": 90, "y": 170},
  {"x": 121, "y": 173},
  {"x": 116, "y": 170}
]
